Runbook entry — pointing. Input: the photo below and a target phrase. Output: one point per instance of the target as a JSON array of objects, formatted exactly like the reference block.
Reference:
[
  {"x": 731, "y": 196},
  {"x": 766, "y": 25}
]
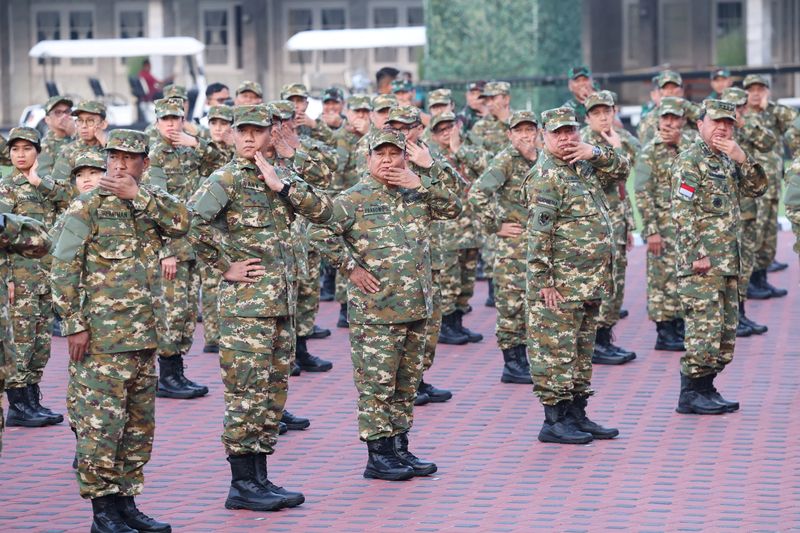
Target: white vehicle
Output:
[{"x": 122, "y": 111}]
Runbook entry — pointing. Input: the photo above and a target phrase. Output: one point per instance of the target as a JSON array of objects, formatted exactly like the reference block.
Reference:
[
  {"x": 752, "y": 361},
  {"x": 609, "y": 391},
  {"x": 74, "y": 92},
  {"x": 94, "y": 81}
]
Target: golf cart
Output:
[{"x": 123, "y": 112}]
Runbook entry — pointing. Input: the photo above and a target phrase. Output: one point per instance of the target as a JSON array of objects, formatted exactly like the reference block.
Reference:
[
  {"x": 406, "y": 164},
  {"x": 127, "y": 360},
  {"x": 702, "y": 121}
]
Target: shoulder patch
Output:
[
  {"x": 211, "y": 201},
  {"x": 543, "y": 218},
  {"x": 72, "y": 237}
]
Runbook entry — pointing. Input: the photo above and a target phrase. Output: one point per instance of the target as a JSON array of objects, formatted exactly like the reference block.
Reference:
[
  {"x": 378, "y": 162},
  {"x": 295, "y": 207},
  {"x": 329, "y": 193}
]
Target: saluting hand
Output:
[
  {"x": 365, "y": 281},
  {"x": 419, "y": 155},
  {"x": 181, "y": 138},
  {"x": 268, "y": 174}
]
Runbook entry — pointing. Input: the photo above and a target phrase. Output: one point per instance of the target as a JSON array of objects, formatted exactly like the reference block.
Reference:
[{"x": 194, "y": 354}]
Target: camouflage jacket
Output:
[
  {"x": 619, "y": 204},
  {"x": 579, "y": 108},
  {"x": 497, "y": 198},
  {"x": 62, "y": 168},
  {"x": 322, "y": 133},
  {"x": 569, "y": 230},
  {"x": 51, "y": 148},
  {"x": 100, "y": 275},
  {"x": 758, "y": 141},
  {"x": 386, "y": 231},
  {"x": 648, "y": 127},
  {"x": 5, "y": 158},
  {"x": 347, "y": 171},
  {"x": 706, "y": 188},
  {"x": 780, "y": 119},
  {"x": 468, "y": 117},
  {"x": 40, "y": 203},
  {"x": 23, "y": 236},
  {"x": 490, "y": 134},
  {"x": 792, "y": 199},
  {"x": 235, "y": 216},
  {"x": 654, "y": 183}
]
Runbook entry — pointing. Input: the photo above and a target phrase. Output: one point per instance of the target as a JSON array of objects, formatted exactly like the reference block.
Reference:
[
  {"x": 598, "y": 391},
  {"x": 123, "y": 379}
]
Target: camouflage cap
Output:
[
  {"x": 719, "y": 109},
  {"x": 359, "y": 101},
  {"x": 253, "y": 115},
  {"x": 89, "y": 106},
  {"x": 578, "y": 71},
  {"x": 169, "y": 107},
  {"x": 493, "y": 88},
  {"x": 447, "y": 116},
  {"x": 755, "y": 79},
  {"x": 135, "y": 142},
  {"x": 252, "y": 86},
  {"x": 476, "y": 85},
  {"x": 558, "y": 118},
  {"x": 599, "y": 98},
  {"x": 55, "y": 100},
  {"x": 734, "y": 95},
  {"x": 176, "y": 91},
  {"x": 293, "y": 89},
  {"x": 88, "y": 158},
  {"x": 401, "y": 85},
  {"x": 439, "y": 97},
  {"x": 24, "y": 133},
  {"x": 672, "y": 105},
  {"x": 518, "y": 117},
  {"x": 387, "y": 136},
  {"x": 669, "y": 76},
  {"x": 404, "y": 114},
  {"x": 223, "y": 112},
  {"x": 382, "y": 101},
  {"x": 282, "y": 109},
  {"x": 333, "y": 93},
  {"x": 720, "y": 73}
]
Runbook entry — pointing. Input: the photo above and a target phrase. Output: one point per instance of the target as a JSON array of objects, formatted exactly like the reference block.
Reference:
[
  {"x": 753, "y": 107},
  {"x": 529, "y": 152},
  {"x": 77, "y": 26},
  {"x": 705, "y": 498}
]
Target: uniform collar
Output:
[
  {"x": 242, "y": 162},
  {"x": 552, "y": 157},
  {"x": 17, "y": 177}
]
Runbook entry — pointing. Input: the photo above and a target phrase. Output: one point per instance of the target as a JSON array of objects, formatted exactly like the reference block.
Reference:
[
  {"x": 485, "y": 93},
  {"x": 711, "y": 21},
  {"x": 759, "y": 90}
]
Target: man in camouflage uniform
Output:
[
  {"x": 792, "y": 199},
  {"x": 474, "y": 109},
  {"x": 90, "y": 120},
  {"x": 570, "y": 258},
  {"x": 497, "y": 200},
  {"x": 101, "y": 288},
  {"x": 24, "y": 236},
  {"x": 654, "y": 197},
  {"x": 241, "y": 225},
  {"x": 581, "y": 85},
  {"x": 60, "y": 129},
  {"x": 780, "y": 120},
  {"x": 720, "y": 81},
  {"x": 178, "y": 162},
  {"x": 305, "y": 125},
  {"x": 4, "y": 158},
  {"x": 600, "y": 131},
  {"x": 177, "y": 92},
  {"x": 756, "y": 140},
  {"x": 379, "y": 238},
  {"x": 708, "y": 180},
  {"x": 669, "y": 83},
  {"x": 30, "y": 309},
  {"x": 332, "y": 114},
  {"x": 248, "y": 93}
]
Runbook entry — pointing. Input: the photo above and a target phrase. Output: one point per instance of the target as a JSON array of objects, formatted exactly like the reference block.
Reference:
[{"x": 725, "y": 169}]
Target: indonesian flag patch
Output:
[{"x": 686, "y": 190}]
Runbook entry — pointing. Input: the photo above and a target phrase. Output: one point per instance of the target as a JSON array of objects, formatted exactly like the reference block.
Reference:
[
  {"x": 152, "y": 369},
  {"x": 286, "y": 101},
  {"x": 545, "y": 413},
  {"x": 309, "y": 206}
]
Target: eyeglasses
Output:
[{"x": 84, "y": 122}]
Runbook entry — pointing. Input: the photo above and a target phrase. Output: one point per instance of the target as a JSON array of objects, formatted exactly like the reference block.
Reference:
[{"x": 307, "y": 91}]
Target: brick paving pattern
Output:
[{"x": 666, "y": 472}]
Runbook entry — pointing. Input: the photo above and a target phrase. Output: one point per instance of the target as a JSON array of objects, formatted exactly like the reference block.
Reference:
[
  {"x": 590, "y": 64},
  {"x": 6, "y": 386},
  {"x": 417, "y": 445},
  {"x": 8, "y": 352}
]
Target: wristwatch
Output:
[
  {"x": 596, "y": 152},
  {"x": 284, "y": 193}
]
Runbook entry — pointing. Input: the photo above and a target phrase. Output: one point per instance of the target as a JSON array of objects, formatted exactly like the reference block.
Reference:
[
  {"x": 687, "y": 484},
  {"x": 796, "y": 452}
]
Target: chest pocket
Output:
[
  {"x": 255, "y": 208},
  {"x": 579, "y": 204},
  {"x": 381, "y": 231},
  {"x": 716, "y": 195},
  {"x": 116, "y": 238}
]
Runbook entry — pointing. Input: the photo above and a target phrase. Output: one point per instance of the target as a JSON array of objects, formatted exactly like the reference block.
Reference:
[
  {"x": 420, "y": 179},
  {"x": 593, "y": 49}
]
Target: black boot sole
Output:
[
  {"x": 176, "y": 395},
  {"x": 439, "y": 398},
  {"x": 25, "y": 423},
  {"x": 234, "y": 504},
  {"x": 611, "y": 362},
  {"x": 517, "y": 380},
  {"x": 420, "y": 472},
  {"x": 692, "y": 411},
  {"x": 316, "y": 368},
  {"x": 297, "y": 426},
  {"x": 669, "y": 348},
  {"x": 374, "y": 474},
  {"x": 211, "y": 348},
  {"x": 556, "y": 440}
]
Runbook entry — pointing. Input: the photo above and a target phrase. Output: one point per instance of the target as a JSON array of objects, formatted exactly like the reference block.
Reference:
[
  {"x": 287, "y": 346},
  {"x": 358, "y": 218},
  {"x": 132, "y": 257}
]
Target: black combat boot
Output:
[
  {"x": 106, "y": 517},
  {"x": 420, "y": 467},
  {"x": 308, "y": 362},
  {"x": 577, "y": 413},
  {"x": 435, "y": 395},
  {"x": 170, "y": 385},
  {"x": 558, "y": 428},
  {"x": 490, "y": 299},
  {"x": 742, "y": 329},
  {"x": 34, "y": 395},
  {"x": 513, "y": 371},
  {"x": 667, "y": 339},
  {"x": 776, "y": 266},
  {"x": 757, "y": 328},
  {"x": 449, "y": 335},
  {"x": 21, "y": 412},
  {"x": 137, "y": 520},
  {"x": 202, "y": 390},
  {"x": 421, "y": 398},
  {"x": 711, "y": 391},
  {"x": 603, "y": 353},
  {"x": 692, "y": 400},
  {"x": 679, "y": 328},
  {"x": 293, "y": 499},
  {"x": 294, "y": 422},
  {"x": 383, "y": 463},
  {"x": 456, "y": 320},
  {"x": 296, "y": 370},
  {"x": 319, "y": 333},
  {"x": 774, "y": 292},
  {"x": 342, "y": 322},
  {"x": 623, "y": 313},
  {"x": 246, "y": 492},
  {"x": 522, "y": 358},
  {"x": 282, "y": 428},
  {"x": 754, "y": 289},
  {"x": 327, "y": 290},
  {"x": 627, "y": 354}
]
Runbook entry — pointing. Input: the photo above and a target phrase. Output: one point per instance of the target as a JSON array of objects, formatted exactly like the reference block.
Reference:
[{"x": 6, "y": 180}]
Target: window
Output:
[
  {"x": 73, "y": 22},
  {"x": 730, "y": 42},
  {"x": 333, "y": 19},
  {"x": 392, "y": 14},
  {"x": 675, "y": 32},
  {"x": 307, "y": 16},
  {"x": 300, "y": 20},
  {"x": 385, "y": 17},
  {"x": 220, "y": 31},
  {"x": 632, "y": 31},
  {"x": 131, "y": 24},
  {"x": 48, "y": 27},
  {"x": 415, "y": 17}
]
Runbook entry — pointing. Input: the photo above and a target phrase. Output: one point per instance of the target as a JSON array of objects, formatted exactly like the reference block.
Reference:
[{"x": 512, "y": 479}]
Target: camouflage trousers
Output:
[
  {"x": 768, "y": 231},
  {"x": 560, "y": 346},
  {"x": 468, "y": 268},
  {"x": 209, "y": 281},
  {"x": 663, "y": 302},
  {"x": 449, "y": 279},
  {"x": 711, "y": 307},
  {"x": 340, "y": 295},
  {"x": 113, "y": 413},
  {"x": 255, "y": 357},
  {"x": 434, "y": 322},
  {"x": 750, "y": 239},
  {"x": 509, "y": 296},
  {"x": 487, "y": 253},
  {"x": 31, "y": 317},
  {"x": 308, "y": 295},
  {"x": 387, "y": 369},
  {"x": 608, "y": 315},
  {"x": 176, "y": 310}
]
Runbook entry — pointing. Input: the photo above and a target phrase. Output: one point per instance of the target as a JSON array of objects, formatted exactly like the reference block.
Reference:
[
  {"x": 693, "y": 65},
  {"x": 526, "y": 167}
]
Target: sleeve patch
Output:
[
  {"x": 72, "y": 237},
  {"x": 543, "y": 219},
  {"x": 212, "y": 201}
]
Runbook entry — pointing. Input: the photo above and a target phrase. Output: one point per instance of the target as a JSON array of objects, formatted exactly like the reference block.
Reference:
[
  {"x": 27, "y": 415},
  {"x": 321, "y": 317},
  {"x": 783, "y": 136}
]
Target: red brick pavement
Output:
[{"x": 665, "y": 472}]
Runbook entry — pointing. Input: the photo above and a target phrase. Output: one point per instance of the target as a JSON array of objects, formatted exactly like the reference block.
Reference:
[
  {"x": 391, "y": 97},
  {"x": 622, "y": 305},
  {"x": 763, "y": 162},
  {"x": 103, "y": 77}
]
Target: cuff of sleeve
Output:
[
  {"x": 47, "y": 184},
  {"x": 142, "y": 200},
  {"x": 650, "y": 230},
  {"x": 73, "y": 325},
  {"x": 222, "y": 264},
  {"x": 348, "y": 266},
  {"x": 426, "y": 183}
]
